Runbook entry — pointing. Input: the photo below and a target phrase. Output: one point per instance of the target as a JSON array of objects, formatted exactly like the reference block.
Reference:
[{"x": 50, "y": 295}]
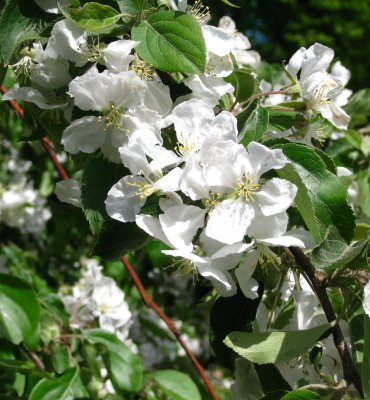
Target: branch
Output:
[
  {"x": 49, "y": 147},
  {"x": 167, "y": 320},
  {"x": 34, "y": 357},
  {"x": 318, "y": 281},
  {"x": 255, "y": 96}
]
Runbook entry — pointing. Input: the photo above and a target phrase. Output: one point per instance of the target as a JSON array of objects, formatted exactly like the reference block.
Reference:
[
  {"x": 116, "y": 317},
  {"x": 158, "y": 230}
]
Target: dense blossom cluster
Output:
[{"x": 221, "y": 208}]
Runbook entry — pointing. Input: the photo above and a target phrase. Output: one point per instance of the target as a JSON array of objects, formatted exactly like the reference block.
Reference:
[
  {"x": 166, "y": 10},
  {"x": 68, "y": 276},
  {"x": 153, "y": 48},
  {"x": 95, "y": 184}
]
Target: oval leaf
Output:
[
  {"x": 171, "y": 41},
  {"x": 274, "y": 347},
  {"x": 19, "y": 312},
  {"x": 176, "y": 385},
  {"x": 92, "y": 16}
]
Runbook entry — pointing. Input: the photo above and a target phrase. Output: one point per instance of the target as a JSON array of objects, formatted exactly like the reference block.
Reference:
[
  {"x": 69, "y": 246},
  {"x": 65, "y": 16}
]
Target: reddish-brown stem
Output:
[
  {"x": 49, "y": 147},
  {"x": 255, "y": 96},
  {"x": 167, "y": 320}
]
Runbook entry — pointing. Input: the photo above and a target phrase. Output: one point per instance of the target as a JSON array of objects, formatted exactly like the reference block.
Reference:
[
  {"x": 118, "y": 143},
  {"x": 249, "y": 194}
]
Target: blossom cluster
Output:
[
  {"x": 21, "y": 205},
  {"x": 219, "y": 204},
  {"x": 96, "y": 298}
]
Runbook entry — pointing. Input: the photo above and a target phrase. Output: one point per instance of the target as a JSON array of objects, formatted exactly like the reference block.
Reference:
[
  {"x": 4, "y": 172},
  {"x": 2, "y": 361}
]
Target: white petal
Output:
[
  {"x": 66, "y": 40},
  {"x": 152, "y": 227},
  {"x": 219, "y": 66},
  {"x": 340, "y": 72},
  {"x": 295, "y": 63},
  {"x": 221, "y": 280},
  {"x": 52, "y": 74},
  {"x": 180, "y": 224},
  {"x": 134, "y": 158},
  {"x": 224, "y": 126},
  {"x": 336, "y": 115},
  {"x": 157, "y": 97},
  {"x": 117, "y": 55},
  {"x": 247, "y": 57},
  {"x": 50, "y": 6},
  {"x": 217, "y": 40},
  {"x": 263, "y": 159},
  {"x": 31, "y": 95},
  {"x": 276, "y": 196},
  {"x": 284, "y": 240},
  {"x": 208, "y": 88},
  {"x": 122, "y": 203},
  {"x": 192, "y": 181},
  {"x": 366, "y": 301},
  {"x": 248, "y": 285},
  {"x": 229, "y": 221},
  {"x": 69, "y": 191},
  {"x": 317, "y": 58},
  {"x": 109, "y": 147},
  {"x": 85, "y": 134},
  {"x": 170, "y": 182}
]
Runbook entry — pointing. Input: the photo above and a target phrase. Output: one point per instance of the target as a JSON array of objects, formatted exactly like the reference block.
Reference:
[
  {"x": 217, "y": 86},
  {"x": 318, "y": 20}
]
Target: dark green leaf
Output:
[
  {"x": 176, "y": 385},
  {"x": 19, "y": 312},
  {"x": 245, "y": 84},
  {"x": 99, "y": 176},
  {"x": 21, "y": 21},
  {"x": 333, "y": 253},
  {"x": 229, "y": 314},
  {"x": 256, "y": 126},
  {"x": 171, "y": 41},
  {"x": 116, "y": 239},
  {"x": 274, "y": 347},
  {"x": 270, "y": 378},
  {"x": 321, "y": 197},
  {"x": 124, "y": 367},
  {"x": 92, "y": 16}
]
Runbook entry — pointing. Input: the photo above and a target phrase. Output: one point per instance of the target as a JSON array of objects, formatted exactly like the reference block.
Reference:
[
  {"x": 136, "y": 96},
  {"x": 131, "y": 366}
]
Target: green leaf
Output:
[
  {"x": 256, "y": 126},
  {"x": 124, "y": 367},
  {"x": 301, "y": 394},
  {"x": 99, "y": 176},
  {"x": 67, "y": 387},
  {"x": 59, "y": 358},
  {"x": 229, "y": 314},
  {"x": 3, "y": 69},
  {"x": 176, "y": 385},
  {"x": 93, "y": 17},
  {"x": 274, "y": 347},
  {"x": 321, "y": 197},
  {"x": 247, "y": 384},
  {"x": 361, "y": 231},
  {"x": 333, "y": 253},
  {"x": 21, "y": 21},
  {"x": 270, "y": 378},
  {"x": 19, "y": 312},
  {"x": 227, "y": 2},
  {"x": 171, "y": 41},
  {"x": 117, "y": 238},
  {"x": 130, "y": 7},
  {"x": 245, "y": 84},
  {"x": 283, "y": 120},
  {"x": 365, "y": 371}
]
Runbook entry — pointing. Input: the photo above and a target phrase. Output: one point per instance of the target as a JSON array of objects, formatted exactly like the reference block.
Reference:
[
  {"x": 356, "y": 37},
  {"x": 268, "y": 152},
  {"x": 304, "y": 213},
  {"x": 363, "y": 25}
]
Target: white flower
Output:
[
  {"x": 319, "y": 89},
  {"x": 126, "y": 198},
  {"x": 366, "y": 301},
  {"x": 232, "y": 174},
  {"x": 117, "y": 97}
]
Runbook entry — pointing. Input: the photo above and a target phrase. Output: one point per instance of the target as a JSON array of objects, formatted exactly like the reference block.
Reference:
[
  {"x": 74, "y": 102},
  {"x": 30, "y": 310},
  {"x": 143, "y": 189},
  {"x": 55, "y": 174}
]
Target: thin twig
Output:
[
  {"x": 167, "y": 320},
  {"x": 255, "y": 96},
  {"x": 45, "y": 141},
  {"x": 34, "y": 357},
  {"x": 318, "y": 281}
]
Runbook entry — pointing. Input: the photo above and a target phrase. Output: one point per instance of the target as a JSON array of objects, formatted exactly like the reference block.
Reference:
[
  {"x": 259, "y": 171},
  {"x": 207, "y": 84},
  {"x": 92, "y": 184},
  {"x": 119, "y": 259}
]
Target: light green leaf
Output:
[
  {"x": 283, "y": 120},
  {"x": 361, "y": 231},
  {"x": 124, "y": 367},
  {"x": 93, "y": 17},
  {"x": 321, "y": 197},
  {"x": 333, "y": 253},
  {"x": 301, "y": 394},
  {"x": 19, "y": 312},
  {"x": 274, "y": 347},
  {"x": 171, "y": 41},
  {"x": 67, "y": 387},
  {"x": 21, "y": 21},
  {"x": 256, "y": 126},
  {"x": 227, "y": 2},
  {"x": 176, "y": 385}
]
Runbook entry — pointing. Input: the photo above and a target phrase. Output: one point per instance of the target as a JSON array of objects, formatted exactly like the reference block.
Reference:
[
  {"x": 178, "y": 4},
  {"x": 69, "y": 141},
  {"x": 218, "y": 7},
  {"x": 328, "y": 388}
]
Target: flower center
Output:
[
  {"x": 200, "y": 12},
  {"x": 323, "y": 91},
  {"x": 145, "y": 188},
  {"x": 245, "y": 187},
  {"x": 142, "y": 69},
  {"x": 267, "y": 256},
  {"x": 112, "y": 117}
]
